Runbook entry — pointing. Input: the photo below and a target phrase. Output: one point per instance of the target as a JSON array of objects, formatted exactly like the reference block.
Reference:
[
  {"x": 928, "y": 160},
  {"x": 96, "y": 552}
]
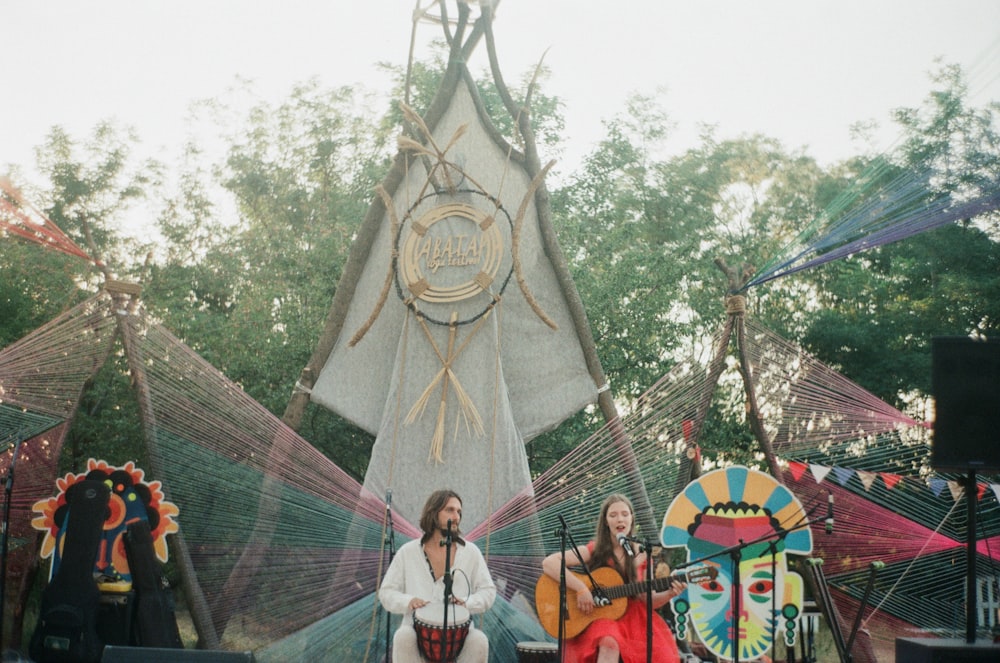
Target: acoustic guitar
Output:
[{"x": 610, "y": 584}]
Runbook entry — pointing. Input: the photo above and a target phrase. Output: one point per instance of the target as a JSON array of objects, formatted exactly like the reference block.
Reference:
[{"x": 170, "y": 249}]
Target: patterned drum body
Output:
[
  {"x": 537, "y": 652},
  {"x": 432, "y": 636}
]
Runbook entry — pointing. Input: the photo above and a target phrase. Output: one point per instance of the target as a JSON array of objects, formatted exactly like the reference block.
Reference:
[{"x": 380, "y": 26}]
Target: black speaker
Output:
[
  {"x": 167, "y": 655},
  {"x": 945, "y": 650},
  {"x": 965, "y": 380}
]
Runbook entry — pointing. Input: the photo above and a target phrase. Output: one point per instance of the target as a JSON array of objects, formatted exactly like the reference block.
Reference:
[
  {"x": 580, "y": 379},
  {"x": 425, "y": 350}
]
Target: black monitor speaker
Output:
[
  {"x": 114, "y": 654},
  {"x": 965, "y": 380},
  {"x": 945, "y": 650}
]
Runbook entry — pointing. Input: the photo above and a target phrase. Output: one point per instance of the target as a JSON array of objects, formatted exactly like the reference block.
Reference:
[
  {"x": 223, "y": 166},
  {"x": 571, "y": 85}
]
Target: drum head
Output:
[
  {"x": 432, "y": 614},
  {"x": 537, "y": 652}
]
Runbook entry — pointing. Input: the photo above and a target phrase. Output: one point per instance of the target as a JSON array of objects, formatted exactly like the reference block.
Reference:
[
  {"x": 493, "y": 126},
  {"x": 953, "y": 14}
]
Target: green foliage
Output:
[
  {"x": 252, "y": 295},
  {"x": 93, "y": 185},
  {"x": 885, "y": 307},
  {"x": 727, "y": 440},
  {"x": 881, "y": 309},
  {"x": 108, "y": 425},
  {"x": 252, "y": 246},
  {"x": 35, "y": 286}
]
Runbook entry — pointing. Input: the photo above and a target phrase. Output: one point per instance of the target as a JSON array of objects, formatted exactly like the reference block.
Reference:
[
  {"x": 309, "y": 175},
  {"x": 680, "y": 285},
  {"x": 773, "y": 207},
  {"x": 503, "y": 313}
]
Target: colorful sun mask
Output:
[
  {"x": 132, "y": 499},
  {"x": 744, "y": 523}
]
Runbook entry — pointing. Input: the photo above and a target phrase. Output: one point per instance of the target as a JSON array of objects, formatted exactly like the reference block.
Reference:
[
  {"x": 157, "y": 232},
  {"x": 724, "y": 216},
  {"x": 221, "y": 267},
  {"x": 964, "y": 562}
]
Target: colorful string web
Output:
[
  {"x": 891, "y": 508},
  {"x": 285, "y": 549},
  {"x": 41, "y": 379},
  {"x": 808, "y": 407},
  {"x": 279, "y": 537},
  {"x": 274, "y": 536},
  {"x": 879, "y": 208},
  {"x": 20, "y": 218},
  {"x": 888, "y": 201}
]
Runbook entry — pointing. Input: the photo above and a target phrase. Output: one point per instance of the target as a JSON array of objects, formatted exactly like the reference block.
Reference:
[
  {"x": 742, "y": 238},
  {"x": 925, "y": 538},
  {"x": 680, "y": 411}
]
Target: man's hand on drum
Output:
[
  {"x": 416, "y": 603},
  {"x": 457, "y": 601}
]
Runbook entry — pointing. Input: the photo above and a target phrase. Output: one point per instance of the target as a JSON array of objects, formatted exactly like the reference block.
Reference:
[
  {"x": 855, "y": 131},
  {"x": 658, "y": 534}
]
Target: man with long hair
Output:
[{"x": 415, "y": 583}]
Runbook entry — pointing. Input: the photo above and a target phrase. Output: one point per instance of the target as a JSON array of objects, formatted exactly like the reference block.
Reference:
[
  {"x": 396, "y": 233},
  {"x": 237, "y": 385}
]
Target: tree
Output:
[
  {"x": 91, "y": 186},
  {"x": 880, "y": 309},
  {"x": 250, "y": 293}
]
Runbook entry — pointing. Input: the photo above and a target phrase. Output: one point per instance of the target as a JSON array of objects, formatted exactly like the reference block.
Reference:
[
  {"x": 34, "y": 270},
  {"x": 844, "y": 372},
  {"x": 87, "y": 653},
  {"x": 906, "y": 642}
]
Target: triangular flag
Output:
[
  {"x": 890, "y": 479},
  {"x": 996, "y": 490},
  {"x": 867, "y": 479},
  {"x": 797, "y": 469},
  {"x": 820, "y": 472},
  {"x": 843, "y": 475},
  {"x": 980, "y": 490},
  {"x": 936, "y": 486},
  {"x": 956, "y": 489}
]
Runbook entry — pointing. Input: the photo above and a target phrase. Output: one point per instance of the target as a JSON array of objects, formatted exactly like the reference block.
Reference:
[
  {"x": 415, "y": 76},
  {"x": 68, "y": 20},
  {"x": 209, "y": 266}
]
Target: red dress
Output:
[{"x": 629, "y": 632}]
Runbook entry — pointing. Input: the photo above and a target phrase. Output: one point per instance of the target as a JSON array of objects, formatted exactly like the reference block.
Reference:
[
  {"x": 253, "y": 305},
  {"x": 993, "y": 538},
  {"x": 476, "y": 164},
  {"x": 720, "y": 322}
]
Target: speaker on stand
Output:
[{"x": 965, "y": 379}]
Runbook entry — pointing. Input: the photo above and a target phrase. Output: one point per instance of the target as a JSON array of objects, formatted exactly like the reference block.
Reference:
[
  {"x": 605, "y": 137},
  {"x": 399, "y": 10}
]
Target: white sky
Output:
[{"x": 799, "y": 70}]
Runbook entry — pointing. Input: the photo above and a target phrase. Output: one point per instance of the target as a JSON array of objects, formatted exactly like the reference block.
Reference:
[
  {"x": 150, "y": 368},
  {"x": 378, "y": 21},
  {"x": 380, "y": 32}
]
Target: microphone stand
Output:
[
  {"x": 735, "y": 553},
  {"x": 773, "y": 549},
  {"x": 5, "y": 545},
  {"x": 391, "y": 542},
  {"x": 874, "y": 568},
  {"x": 563, "y": 608},
  {"x": 647, "y": 548},
  {"x": 736, "y": 556},
  {"x": 601, "y": 599},
  {"x": 447, "y": 593}
]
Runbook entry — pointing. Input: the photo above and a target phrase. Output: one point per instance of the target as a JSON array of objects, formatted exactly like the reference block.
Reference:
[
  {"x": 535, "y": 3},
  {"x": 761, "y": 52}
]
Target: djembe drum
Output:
[
  {"x": 537, "y": 652},
  {"x": 433, "y": 636}
]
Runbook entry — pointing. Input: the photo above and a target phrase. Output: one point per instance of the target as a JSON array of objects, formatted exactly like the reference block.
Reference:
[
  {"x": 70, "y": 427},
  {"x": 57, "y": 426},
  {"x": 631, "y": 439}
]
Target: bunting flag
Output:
[{"x": 798, "y": 470}]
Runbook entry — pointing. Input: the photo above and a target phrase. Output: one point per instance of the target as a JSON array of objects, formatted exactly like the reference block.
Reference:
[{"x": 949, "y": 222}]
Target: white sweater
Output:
[{"x": 410, "y": 576}]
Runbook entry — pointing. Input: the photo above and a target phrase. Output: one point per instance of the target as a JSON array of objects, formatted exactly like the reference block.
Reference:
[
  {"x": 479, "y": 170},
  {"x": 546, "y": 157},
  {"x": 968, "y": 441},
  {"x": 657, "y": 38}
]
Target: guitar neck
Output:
[
  {"x": 633, "y": 588},
  {"x": 604, "y": 581}
]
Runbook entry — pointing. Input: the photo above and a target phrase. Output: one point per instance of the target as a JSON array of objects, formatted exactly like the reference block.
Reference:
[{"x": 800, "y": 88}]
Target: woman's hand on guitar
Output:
[
  {"x": 672, "y": 592},
  {"x": 585, "y": 601}
]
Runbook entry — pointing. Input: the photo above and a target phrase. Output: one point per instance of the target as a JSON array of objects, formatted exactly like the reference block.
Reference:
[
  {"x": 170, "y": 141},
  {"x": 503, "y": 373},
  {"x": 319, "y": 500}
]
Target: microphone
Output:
[
  {"x": 624, "y": 542},
  {"x": 829, "y": 515},
  {"x": 390, "y": 533},
  {"x": 447, "y": 537}
]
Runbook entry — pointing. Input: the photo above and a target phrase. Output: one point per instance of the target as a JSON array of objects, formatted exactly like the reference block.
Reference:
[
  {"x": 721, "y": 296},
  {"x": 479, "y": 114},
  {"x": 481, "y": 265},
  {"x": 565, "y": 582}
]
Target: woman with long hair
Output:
[{"x": 605, "y": 640}]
